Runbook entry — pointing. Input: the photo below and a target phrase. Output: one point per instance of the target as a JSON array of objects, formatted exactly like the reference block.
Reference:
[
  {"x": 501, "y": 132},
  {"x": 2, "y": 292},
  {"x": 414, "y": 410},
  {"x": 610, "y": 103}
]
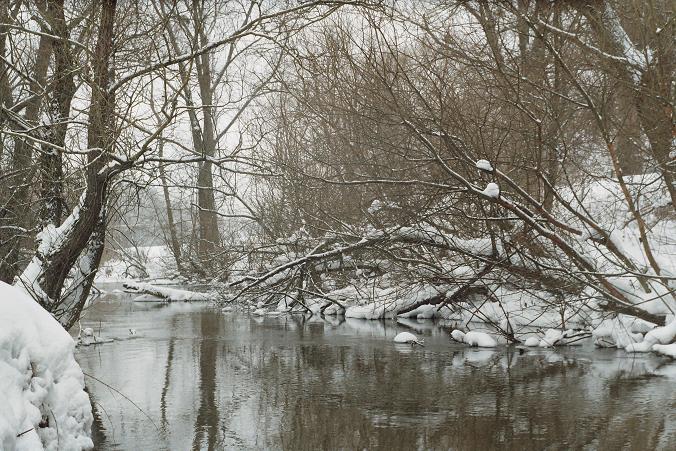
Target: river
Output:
[{"x": 195, "y": 378}]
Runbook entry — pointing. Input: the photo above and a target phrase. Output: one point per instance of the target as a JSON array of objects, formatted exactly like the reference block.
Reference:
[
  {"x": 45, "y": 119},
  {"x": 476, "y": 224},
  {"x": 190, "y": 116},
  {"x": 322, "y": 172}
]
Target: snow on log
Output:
[
  {"x": 657, "y": 337},
  {"x": 532, "y": 342},
  {"x": 474, "y": 338},
  {"x": 168, "y": 294},
  {"x": 666, "y": 350},
  {"x": 613, "y": 333},
  {"x": 43, "y": 404},
  {"x": 480, "y": 339}
]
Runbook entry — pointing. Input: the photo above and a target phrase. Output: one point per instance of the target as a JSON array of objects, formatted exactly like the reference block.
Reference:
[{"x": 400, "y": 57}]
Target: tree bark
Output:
[
  {"x": 209, "y": 236},
  {"x": 173, "y": 235},
  {"x": 650, "y": 85},
  {"x": 82, "y": 238},
  {"x": 58, "y": 111},
  {"x": 16, "y": 212}
]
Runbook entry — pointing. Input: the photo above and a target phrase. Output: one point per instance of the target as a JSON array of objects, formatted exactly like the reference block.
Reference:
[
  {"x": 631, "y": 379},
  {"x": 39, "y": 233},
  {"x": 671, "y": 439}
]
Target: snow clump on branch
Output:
[
  {"x": 484, "y": 165},
  {"x": 492, "y": 190}
]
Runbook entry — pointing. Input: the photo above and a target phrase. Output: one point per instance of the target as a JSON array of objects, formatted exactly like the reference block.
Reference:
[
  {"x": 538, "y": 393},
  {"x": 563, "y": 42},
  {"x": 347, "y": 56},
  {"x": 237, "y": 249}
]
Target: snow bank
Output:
[
  {"x": 616, "y": 332},
  {"x": 667, "y": 350},
  {"x": 41, "y": 385},
  {"x": 137, "y": 263},
  {"x": 657, "y": 340}
]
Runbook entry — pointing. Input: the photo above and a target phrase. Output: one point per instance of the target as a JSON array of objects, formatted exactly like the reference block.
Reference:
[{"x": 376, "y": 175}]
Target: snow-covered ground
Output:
[
  {"x": 134, "y": 263},
  {"x": 43, "y": 404}
]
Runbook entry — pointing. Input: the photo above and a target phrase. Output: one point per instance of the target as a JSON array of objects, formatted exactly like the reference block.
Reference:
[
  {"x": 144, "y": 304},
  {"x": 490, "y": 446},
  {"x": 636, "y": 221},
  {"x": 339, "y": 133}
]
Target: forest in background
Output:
[{"x": 511, "y": 162}]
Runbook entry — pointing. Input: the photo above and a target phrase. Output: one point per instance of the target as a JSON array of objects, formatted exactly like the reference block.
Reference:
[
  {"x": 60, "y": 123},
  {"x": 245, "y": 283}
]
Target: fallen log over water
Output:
[{"x": 168, "y": 294}]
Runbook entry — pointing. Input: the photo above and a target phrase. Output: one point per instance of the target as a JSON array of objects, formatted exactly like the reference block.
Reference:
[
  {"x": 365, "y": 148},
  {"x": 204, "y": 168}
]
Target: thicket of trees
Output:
[
  {"x": 463, "y": 150},
  {"x": 93, "y": 98}
]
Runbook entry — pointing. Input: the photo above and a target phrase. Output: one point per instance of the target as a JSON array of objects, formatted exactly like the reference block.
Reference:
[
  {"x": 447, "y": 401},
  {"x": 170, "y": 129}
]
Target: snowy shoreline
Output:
[{"x": 43, "y": 404}]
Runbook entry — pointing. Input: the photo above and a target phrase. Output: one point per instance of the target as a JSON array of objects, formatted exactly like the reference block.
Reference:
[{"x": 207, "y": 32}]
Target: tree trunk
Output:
[
  {"x": 173, "y": 235},
  {"x": 209, "y": 236},
  {"x": 204, "y": 143},
  {"x": 649, "y": 85},
  {"x": 17, "y": 212},
  {"x": 78, "y": 242},
  {"x": 58, "y": 111}
]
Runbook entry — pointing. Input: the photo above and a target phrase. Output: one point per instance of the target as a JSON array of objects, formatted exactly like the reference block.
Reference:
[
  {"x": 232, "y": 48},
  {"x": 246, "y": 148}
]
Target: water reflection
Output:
[
  {"x": 206, "y": 422},
  {"x": 218, "y": 381}
]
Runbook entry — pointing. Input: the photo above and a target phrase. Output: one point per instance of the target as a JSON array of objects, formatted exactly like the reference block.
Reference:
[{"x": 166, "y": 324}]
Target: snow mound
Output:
[
  {"x": 480, "y": 339},
  {"x": 667, "y": 350},
  {"x": 615, "y": 333},
  {"x": 552, "y": 337},
  {"x": 458, "y": 335},
  {"x": 474, "y": 338},
  {"x": 42, "y": 393},
  {"x": 532, "y": 342},
  {"x": 657, "y": 340},
  {"x": 405, "y": 337},
  {"x": 663, "y": 335}
]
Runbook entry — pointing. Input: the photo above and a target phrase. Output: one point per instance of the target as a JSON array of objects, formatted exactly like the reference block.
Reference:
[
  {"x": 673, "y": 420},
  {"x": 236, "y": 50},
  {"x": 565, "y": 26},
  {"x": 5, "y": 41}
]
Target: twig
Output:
[{"x": 125, "y": 397}]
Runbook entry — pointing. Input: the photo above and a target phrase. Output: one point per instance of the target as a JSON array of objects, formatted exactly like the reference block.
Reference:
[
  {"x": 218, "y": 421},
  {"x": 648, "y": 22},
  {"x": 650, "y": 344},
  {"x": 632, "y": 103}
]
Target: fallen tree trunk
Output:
[{"x": 168, "y": 294}]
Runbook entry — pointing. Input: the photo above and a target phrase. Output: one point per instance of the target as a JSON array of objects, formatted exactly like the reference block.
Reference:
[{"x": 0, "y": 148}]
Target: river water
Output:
[{"x": 195, "y": 378}]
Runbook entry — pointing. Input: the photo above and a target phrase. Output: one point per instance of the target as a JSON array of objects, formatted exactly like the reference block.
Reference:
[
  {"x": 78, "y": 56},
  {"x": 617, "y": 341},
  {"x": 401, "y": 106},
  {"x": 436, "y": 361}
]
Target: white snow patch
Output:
[
  {"x": 475, "y": 338},
  {"x": 484, "y": 165},
  {"x": 405, "y": 337},
  {"x": 458, "y": 335},
  {"x": 615, "y": 333},
  {"x": 169, "y": 294},
  {"x": 656, "y": 340},
  {"x": 554, "y": 337},
  {"x": 492, "y": 190},
  {"x": 663, "y": 335},
  {"x": 667, "y": 350},
  {"x": 376, "y": 205},
  {"x": 532, "y": 342},
  {"x": 39, "y": 380}
]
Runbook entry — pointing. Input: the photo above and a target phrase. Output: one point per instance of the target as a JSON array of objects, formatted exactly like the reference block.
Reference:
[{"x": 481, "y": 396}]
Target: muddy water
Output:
[{"x": 195, "y": 378}]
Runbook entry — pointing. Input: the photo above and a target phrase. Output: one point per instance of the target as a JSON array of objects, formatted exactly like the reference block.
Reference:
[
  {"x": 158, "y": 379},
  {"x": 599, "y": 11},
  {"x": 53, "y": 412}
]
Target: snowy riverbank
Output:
[{"x": 43, "y": 404}]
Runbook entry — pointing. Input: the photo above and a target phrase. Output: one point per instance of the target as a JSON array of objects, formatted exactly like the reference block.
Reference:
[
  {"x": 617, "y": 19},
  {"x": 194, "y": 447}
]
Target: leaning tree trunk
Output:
[{"x": 75, "y": 247}]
